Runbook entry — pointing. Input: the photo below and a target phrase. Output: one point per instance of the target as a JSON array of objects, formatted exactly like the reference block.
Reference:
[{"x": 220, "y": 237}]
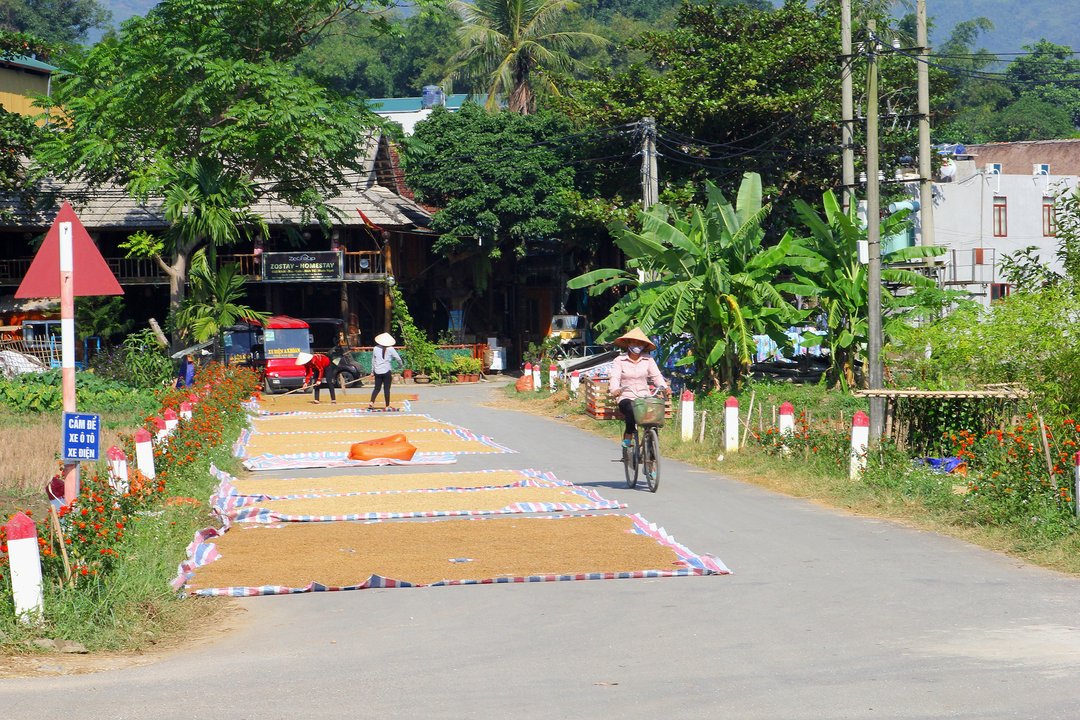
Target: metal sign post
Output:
[{"x": 67, "y": 345}]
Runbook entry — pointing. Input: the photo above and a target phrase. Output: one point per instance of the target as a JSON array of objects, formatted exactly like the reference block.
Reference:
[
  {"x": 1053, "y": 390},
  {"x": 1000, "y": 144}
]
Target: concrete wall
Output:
[{"x": 964, "y": 223}]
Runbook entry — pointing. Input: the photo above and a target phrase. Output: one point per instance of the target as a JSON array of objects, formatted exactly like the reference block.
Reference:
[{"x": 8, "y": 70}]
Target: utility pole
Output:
[
  {"x": 650, "y": 183},
  {"x": 873, "y": 236},
  {"x": 847, "y": 107},
  {"x": 926, "y": 188}
]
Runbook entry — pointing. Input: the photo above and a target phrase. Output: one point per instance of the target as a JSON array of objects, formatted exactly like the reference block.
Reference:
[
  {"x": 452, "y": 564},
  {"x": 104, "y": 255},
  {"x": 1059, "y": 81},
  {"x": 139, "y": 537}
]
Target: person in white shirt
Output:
[
  {"x": 631, "y": 375},
  {"x": 382, "y": 358}
]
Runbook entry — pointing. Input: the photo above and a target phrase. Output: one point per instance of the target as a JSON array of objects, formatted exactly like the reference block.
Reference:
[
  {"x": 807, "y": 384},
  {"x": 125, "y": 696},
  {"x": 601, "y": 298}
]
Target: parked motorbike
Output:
[{"x": 347, "y": 371}]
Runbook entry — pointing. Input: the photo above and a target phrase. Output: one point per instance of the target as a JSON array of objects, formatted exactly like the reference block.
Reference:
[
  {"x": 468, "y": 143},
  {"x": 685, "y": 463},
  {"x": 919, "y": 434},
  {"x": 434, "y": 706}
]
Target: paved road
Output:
[{"x": 826, "y": 616}]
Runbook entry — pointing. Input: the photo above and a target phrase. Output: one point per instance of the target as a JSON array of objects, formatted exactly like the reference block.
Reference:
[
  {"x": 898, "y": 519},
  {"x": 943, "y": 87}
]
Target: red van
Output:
[{"x": 270, "y": 347}]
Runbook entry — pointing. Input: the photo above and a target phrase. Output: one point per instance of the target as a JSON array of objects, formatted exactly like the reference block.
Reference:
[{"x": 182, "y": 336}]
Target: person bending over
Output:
[{"x": 318, "y": 372}]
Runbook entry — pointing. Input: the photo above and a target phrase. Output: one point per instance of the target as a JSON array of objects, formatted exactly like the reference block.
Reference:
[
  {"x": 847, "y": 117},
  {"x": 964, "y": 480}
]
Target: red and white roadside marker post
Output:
[
  {"x": 118, "y": 471},
  {"x": 1076, "y": 484},
  {"x": 24, "y": 556},
  {"x": 575, "y": 383},
  {"x": 527, "y": 372},
  {"x": 686, "y": 416},
  {"x": 786, "y": 425},
  {"x": 185, "y": 411},
  {"x": 860, "y": 441},
  {"x": 538, "y": 379},
  {"x": 731, "y": 425},
  {"x": 171, "y": 420},
  {"x": 144, "y": 453},
  {"x": 553, "y": 373},
  {"x": 162, "y": 430}
]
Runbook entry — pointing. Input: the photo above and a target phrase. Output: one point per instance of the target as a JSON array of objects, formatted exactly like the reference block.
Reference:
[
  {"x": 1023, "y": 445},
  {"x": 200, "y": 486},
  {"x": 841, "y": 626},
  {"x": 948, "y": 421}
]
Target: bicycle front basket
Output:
[{"x": 649, "y": 411}]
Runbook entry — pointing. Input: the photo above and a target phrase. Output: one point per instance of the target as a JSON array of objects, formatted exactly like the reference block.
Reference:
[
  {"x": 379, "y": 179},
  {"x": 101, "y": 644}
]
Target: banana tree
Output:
[
  {"x": 838, "y": 282},
  {"x": 704, "y": 277}
]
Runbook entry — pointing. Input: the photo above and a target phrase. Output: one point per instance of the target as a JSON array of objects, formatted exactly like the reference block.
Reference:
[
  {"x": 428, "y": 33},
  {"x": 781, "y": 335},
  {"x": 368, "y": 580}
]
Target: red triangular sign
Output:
[{"x": 91, "y": 274}]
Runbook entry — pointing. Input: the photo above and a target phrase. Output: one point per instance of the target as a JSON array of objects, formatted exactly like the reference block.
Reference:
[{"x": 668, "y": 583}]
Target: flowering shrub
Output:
[
  {"x": 831, "y": 445},
  {"x": 1009, "y": 472}
]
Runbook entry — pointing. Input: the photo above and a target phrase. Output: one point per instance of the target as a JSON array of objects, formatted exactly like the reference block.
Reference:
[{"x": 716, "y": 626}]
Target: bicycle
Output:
[{"x": 644, "y": 450}]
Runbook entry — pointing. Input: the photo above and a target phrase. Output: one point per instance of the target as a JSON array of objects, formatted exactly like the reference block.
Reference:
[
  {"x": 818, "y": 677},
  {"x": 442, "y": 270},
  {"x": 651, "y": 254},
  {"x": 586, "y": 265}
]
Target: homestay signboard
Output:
[{"x": 306, "y": 266}]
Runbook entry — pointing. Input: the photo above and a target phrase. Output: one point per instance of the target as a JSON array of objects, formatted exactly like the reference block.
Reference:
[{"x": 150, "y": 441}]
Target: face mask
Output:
[{"x": 635, "y": 349}]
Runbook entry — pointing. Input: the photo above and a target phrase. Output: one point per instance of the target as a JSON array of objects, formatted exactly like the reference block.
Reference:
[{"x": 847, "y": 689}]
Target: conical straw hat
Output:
[
  {"x": 385, "y": 339},
  {"x": 304, "y": 358},
  {"x": 634, "y": 337}
]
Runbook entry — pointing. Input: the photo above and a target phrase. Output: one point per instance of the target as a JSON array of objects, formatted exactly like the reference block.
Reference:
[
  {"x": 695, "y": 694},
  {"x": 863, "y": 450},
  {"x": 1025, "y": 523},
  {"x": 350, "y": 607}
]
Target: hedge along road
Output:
[{"x": 827, "y": 616}]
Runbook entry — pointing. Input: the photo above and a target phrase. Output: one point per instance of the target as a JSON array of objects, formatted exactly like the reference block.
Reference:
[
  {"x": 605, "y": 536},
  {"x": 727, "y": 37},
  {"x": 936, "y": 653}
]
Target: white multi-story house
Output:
[{"x": 996, "y": 199}]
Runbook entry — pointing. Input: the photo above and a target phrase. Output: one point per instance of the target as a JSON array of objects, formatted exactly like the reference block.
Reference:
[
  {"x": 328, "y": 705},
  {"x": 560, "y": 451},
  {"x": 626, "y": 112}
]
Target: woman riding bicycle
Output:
[{"x": 631, "y": 375}]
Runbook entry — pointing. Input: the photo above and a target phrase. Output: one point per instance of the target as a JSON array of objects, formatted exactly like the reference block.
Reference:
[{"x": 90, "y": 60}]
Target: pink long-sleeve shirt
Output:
[{"x": 632, "y": 379}]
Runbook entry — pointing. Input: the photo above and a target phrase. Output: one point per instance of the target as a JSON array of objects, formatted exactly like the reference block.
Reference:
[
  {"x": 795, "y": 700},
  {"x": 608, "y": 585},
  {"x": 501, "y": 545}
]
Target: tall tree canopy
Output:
[
  {"x": 499, "y": 183},
  {"x": 513, "y": 48},
  {"x": 54, "y": 21},
  {"x": 199, "y": 103}
]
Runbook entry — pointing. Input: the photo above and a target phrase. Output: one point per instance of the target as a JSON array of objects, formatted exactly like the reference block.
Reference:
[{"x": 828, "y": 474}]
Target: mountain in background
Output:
[{"x": 1016, "y": 22}]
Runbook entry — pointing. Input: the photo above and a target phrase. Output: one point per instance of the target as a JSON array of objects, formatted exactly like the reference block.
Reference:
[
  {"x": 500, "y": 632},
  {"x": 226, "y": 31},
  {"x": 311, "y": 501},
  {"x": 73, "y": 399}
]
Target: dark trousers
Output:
[
  {"x": 329, "y": 380},
  {"x": 626, "y": 407},
  {"x": 382, "y": 380}
]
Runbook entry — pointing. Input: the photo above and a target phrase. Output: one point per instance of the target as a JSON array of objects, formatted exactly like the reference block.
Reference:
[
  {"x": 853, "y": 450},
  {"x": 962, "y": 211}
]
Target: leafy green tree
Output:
[
  {"x": 513, "y": 48},
  {"x": 215, "y": 300},
  {"x": 199, "y": 103},
  {"x": 1048, "y": 74},
  {"x": 363, "y": 59},
  {"x": 500, "y": 185},
  {"x": 54, "y": 21},
  {"x": 17, "y": 132},
  {"x": 706, "y": 275},
  {"x": 837, "y": 282},
  {"x": 101, "y": 317}
]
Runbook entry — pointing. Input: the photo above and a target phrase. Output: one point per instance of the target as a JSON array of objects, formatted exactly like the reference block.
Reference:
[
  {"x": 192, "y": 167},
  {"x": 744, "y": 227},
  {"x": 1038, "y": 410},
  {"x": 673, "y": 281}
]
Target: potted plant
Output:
[
  {"x": 461, "y": 366},
  {"x": 475, "y": 366}
]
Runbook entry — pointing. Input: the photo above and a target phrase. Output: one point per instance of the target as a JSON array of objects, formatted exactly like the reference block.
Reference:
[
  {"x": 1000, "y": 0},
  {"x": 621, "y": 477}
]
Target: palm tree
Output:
[
  {"x": 213, "y": 303},
  {"x": 510, "y": 45}
]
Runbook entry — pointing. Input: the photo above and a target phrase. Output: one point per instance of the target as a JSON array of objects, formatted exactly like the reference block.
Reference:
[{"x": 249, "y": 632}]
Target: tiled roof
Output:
[
  {"x": 110, "y": 206},
  {"x": 1017, "y": 158}
]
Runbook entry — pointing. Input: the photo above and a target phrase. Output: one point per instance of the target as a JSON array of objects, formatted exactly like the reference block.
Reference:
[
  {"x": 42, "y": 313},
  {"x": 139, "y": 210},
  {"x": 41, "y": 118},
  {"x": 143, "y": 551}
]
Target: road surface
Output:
[{"x": 827, "y": 615}]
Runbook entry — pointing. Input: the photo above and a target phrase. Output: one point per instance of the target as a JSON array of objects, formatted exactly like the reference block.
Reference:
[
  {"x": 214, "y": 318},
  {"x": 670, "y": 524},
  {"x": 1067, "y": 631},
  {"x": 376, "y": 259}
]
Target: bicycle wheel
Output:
[
  {"x": 650, "y": 458},
  {"x": 630, "y": 461}
]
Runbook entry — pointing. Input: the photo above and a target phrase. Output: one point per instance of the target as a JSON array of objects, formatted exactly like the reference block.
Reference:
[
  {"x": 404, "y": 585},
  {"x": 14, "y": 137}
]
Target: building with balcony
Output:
[
  {"x": 300, "y": 268},
  {"x": 995, "y": 200}
]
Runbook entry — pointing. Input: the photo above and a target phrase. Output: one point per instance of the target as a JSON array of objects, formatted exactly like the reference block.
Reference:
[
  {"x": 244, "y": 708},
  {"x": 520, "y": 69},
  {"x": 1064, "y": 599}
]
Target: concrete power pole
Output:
[
  {"x": 926, "y": 187},
  {"x": 847, "y": 107},
  {"x": 873, "y": 236},
  {"x": 650, "y": 183}
]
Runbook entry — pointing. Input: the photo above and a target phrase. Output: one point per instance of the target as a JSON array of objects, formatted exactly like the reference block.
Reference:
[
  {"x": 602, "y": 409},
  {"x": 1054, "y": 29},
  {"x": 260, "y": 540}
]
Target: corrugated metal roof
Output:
[
  {"x": 28, "y": 63},
  {"x": 109, "y": 206},
  {"x": 412, "y": 104}
]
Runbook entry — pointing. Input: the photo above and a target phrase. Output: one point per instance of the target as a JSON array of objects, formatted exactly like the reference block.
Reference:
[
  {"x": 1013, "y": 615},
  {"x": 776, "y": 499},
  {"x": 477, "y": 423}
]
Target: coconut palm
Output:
[{"x": 512, "y": 45}]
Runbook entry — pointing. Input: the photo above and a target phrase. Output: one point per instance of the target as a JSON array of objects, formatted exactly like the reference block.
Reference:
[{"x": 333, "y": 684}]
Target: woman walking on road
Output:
[{"x": 382, "y": 358}]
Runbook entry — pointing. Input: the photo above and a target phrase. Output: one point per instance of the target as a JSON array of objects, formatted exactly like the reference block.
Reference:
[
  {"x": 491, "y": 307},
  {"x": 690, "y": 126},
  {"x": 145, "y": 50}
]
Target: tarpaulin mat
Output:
[
  {"x": 301, "y": 461},
  {"x": 417, "y": 503},
  {"x": 354, "y": 422},
  {"x": 456, "y": 440},
  {"x": 271, "y": 409},
  {"x": 251, "y": 560},
  {"x": 263, "y": 488}
]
